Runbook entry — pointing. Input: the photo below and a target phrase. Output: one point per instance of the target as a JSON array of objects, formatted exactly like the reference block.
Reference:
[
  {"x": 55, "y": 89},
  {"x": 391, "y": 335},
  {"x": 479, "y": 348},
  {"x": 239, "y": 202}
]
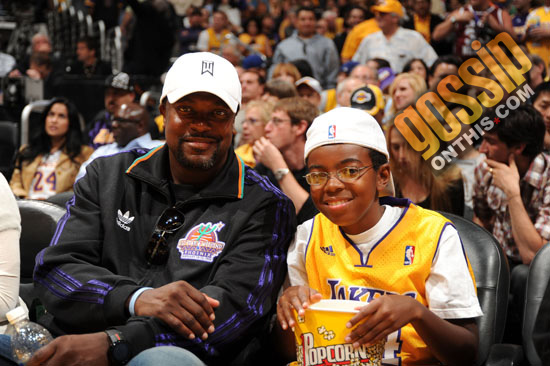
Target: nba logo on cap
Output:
[
  {"x": 332, "y": 131},
  {"x": 409, "y": 255}
]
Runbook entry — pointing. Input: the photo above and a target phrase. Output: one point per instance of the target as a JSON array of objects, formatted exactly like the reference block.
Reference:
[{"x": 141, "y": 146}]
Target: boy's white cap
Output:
[
  {"x": 203, "y": 72},
  {"x": 345, "y": 125}
]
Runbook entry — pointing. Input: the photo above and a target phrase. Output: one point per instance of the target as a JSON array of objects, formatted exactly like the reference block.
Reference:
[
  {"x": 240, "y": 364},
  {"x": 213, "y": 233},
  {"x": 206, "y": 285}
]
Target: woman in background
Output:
[
  {"x": 49, "y": 163},
  {"x": 257, "y": 115}
]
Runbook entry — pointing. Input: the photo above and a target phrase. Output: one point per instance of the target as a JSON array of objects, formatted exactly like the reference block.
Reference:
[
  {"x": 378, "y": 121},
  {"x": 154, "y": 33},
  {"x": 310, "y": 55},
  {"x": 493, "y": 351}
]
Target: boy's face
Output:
[{"x": 353, "y": 206}]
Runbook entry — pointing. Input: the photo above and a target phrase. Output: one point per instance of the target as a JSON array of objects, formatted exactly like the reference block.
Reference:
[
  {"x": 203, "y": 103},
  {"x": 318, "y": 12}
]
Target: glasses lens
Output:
[
  {"x": 348, "y": 173},
  {"x": 170, "y": 220},
  {"x": 316, "y": 178},
  {"x": 157, "y": 250}
]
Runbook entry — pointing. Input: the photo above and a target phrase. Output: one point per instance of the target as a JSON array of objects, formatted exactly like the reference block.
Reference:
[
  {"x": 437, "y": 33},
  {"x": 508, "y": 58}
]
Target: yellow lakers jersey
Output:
[
  {"x": 399, "y": 263},
  {"x": 540, "y": 17}
]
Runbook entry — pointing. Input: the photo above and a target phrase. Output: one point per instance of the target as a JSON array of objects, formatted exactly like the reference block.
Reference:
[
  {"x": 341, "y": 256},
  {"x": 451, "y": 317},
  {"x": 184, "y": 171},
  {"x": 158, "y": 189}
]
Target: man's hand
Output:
[
  {"x": 267, "y": 154},
  {"x": 82, "y": 350},
  {"x": 181, "y": 306},
  {"x": 463, "y": 17},
  {"x": 505, "y": 177},
  {"x": 381, "y": 317},
  {"x": 298, "y": 298}
]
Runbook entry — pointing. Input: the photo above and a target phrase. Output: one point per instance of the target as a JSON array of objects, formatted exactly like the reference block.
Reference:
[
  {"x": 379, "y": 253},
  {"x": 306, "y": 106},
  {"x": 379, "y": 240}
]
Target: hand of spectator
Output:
[
  {"x": 295, "y": 297},
  {"x": 505, "y": 177},
  {"x": 34, "y": 74},
  {"x": 15, "y": 74},
  {"x": 537, "y": 33},
  {"x": 381, "y": 317},
  {"x": 181, "y": 306},
  {"x": 490, "y": 21},
  {"x": 463, "y": 17},
  {"x": 267, "y": 154},
  {"x": 82, "y": 350}
]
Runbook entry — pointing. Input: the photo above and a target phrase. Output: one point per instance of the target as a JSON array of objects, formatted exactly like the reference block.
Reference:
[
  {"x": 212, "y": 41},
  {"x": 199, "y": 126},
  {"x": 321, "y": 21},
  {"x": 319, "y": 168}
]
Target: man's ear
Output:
[
  {"x": 517, "y": 149},
  {"x": 301, "y": 128},
  {"x": 162, "y": 109}
]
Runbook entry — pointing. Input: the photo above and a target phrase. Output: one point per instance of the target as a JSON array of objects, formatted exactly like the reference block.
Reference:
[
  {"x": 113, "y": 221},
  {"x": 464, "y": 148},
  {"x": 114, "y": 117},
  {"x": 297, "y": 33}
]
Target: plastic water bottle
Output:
[{"x": 26, "y": 337}]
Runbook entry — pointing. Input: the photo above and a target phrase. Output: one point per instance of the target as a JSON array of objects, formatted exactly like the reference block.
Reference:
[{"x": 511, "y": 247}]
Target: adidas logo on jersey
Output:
[
  {"x": 328, "y": 250},
  {"x": 123, "y": 220}
]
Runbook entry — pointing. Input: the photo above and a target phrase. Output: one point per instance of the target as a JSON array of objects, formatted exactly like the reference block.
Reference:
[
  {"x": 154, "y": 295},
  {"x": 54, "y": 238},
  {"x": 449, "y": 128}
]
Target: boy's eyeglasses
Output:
[
  {"x": 170, "y": 221},
  {"x": 344, "y": 175}
]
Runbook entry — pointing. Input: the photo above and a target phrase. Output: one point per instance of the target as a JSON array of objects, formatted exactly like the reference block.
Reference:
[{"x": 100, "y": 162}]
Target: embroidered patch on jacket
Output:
[
  {"x": 409, "y": 255},
  {"x": 123, "y": 220},
  {"x": 201, "y": 242}
]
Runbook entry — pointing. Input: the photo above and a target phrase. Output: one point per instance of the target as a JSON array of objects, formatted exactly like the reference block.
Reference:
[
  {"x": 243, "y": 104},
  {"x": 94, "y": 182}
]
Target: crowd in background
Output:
[{"x": 297, "y": 59}]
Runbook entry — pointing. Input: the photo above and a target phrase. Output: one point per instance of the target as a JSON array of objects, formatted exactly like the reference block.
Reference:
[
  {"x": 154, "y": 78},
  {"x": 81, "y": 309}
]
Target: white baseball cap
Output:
[
  {"x": 203, "y": 72},
  {"x": 345, "y": 125},
  {"x": 311, "y": 82}
]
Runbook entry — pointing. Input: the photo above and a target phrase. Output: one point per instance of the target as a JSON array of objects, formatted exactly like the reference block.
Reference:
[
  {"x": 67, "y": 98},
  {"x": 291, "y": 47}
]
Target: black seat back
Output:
[{"x": 492, "y": 281}]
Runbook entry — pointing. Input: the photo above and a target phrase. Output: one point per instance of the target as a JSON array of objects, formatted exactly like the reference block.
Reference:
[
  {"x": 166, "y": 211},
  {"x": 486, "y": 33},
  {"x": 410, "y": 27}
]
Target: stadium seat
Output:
[{"x": 492, "y": 281}]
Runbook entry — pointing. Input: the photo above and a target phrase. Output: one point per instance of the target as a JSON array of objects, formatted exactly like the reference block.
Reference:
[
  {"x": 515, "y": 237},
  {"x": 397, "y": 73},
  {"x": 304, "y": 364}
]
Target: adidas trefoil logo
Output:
[
  {"x": 328, "y": 250},
  {"x": 124, "y": 220}
]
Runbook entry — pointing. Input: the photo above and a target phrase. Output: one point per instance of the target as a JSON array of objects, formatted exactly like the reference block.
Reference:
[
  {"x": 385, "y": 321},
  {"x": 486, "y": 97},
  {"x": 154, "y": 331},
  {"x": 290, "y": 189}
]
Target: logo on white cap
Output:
[
  {"x": 332, "y": 132},
  {"x": 207, "y": 68}
]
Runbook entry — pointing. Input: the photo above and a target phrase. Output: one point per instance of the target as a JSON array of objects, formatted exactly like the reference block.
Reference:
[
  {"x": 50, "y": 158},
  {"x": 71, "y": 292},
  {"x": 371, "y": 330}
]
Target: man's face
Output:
[
  {"x": 442, "y": 69},
  {"x": 219, "y": 22},
  {"x": 251, "y": 87},
  {"x": 305, "y": 23},
  {"x": 494, "y": 148},
  {"x": 542, "y": 104},
  {"x": 521, "y": 4},
  {"x": 126, "y": 124},
  {"x": 365, "y": 74},
  {"x": 355, "y": 17},
  {"x": 309, "y": 94},
  {"x": 83, "y": 53},
  {"x": 280, "y": 130},
  {"x": 343, "y": 98},
  {"x": 385, "y": 20},
  {"x": 199, "y": 130},
  {"x": 115, "y": 97},
  {"x": 422, "y": 7}
]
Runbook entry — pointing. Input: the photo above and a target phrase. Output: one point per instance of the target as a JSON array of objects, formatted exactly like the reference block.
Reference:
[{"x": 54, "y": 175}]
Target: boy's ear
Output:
[{"x": 383, "y": 180}]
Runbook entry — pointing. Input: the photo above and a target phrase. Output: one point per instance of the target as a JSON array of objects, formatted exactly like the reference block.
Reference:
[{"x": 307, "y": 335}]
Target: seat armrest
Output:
[{"x": 505, "y": 355}]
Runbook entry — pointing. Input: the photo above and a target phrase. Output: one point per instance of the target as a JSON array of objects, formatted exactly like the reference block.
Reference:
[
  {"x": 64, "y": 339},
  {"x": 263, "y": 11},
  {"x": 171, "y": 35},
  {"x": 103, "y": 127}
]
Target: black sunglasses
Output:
[{"x": 170, "y": 221}]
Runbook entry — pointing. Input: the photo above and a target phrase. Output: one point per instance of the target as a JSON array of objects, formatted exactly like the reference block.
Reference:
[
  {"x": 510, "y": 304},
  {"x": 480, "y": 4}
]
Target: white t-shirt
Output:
[{"x": 449, "y": 289}]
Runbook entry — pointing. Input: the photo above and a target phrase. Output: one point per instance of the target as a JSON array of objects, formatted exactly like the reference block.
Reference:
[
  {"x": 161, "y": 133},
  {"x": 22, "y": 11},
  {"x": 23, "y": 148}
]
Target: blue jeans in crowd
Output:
[{"x": 166, "y": 356}]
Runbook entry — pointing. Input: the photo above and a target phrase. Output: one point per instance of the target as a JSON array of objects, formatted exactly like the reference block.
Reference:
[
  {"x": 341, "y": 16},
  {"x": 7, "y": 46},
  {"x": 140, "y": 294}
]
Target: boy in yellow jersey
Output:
[{"x": 407, "y": 262}]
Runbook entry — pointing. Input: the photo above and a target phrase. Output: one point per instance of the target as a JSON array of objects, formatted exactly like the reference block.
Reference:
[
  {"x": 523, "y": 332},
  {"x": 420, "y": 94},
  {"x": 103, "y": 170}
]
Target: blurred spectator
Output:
[
  {"x": 538, "y": 71},
  {"x": 394, "y": 43},
  {"x": 276, "y": 89},
  {"x": 418, "y": 67},
  {"x": 119, "y": 89},
  {"x": 537, "y": 35},
  {"x": 541, "y": 102},
  {"x": 252, "y": 83},
  {"x": 49, "y": 163},
  {"x": 364, "y": 73},
  {"x": 319, "y": 51},
  {"x": 424, "y": 23},
  {"x": 231, "y": 53},
  {"x": 344, "y": 90},
  {"x": 189, "y": 36},
  {"x": 256, "y": 116},
  {"x": 345, "y": 69},
  {"x": 377, "y": 63},
  {"x": 255, "y": 63},
  {"x": 405, "y": 90},
  {"x": 7, "y": 63},
  {"x": 229, "y": 7},
  {"x": 444, "y": 65},
  {"x": 310, "y": 89},
  {"x": 355, "y": 15},
  {"x": 88, "y": 62},
  {"x": 255, "y": 39},
  {"x": 480, "y": 20},
  {"x": 152, "y": 39},
  {"x": 414, "y": 178},
  {"x": 280, "y": 153},
  {"x": 356, "y": 36},
  {"x": 212, "y": 38},
  {"x": 386, "y": 76},
  {"x": 130, "y": 127},
  {"x": 106, "y": 10},
  {"x": 286, "y": 71},
  {"x": 519, "y": 20},
  {"x": 512, "y": 184},
  {"x": 269, "y": 29},
  {"x": 334, "y": 24},
  {"x": 370, "y": 99},
  {"x": 40, "y": 43}
]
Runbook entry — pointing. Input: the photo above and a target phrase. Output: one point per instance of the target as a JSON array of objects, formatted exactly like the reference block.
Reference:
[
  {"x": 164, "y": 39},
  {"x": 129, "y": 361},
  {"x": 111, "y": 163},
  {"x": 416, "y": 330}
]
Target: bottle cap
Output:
[{"x": 16, "y": 314}]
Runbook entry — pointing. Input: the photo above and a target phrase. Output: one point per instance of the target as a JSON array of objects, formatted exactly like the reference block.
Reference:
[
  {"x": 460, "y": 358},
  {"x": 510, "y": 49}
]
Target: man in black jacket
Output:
[{"x": 178, "y": 246}]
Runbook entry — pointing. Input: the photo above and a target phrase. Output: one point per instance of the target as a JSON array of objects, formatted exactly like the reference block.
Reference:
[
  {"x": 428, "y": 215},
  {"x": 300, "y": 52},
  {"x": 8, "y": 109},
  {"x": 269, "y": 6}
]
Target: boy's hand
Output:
[
  {"x": 381, "y": 317},
  {"x": 295, "y": 297}
]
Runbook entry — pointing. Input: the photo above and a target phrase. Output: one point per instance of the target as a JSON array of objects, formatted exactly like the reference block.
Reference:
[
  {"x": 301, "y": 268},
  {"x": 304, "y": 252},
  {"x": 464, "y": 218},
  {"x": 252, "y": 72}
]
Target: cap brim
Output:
[{"x": 175, "y": 95}]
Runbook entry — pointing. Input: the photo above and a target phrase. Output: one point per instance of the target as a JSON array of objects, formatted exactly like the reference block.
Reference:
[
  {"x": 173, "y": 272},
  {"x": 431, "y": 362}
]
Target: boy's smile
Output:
[{"x": 354, "y": 205}]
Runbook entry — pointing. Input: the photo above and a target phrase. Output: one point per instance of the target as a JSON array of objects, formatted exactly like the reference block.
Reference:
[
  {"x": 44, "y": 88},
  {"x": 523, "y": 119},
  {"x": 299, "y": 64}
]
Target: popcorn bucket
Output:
[{"x": 321, "y": 332}]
